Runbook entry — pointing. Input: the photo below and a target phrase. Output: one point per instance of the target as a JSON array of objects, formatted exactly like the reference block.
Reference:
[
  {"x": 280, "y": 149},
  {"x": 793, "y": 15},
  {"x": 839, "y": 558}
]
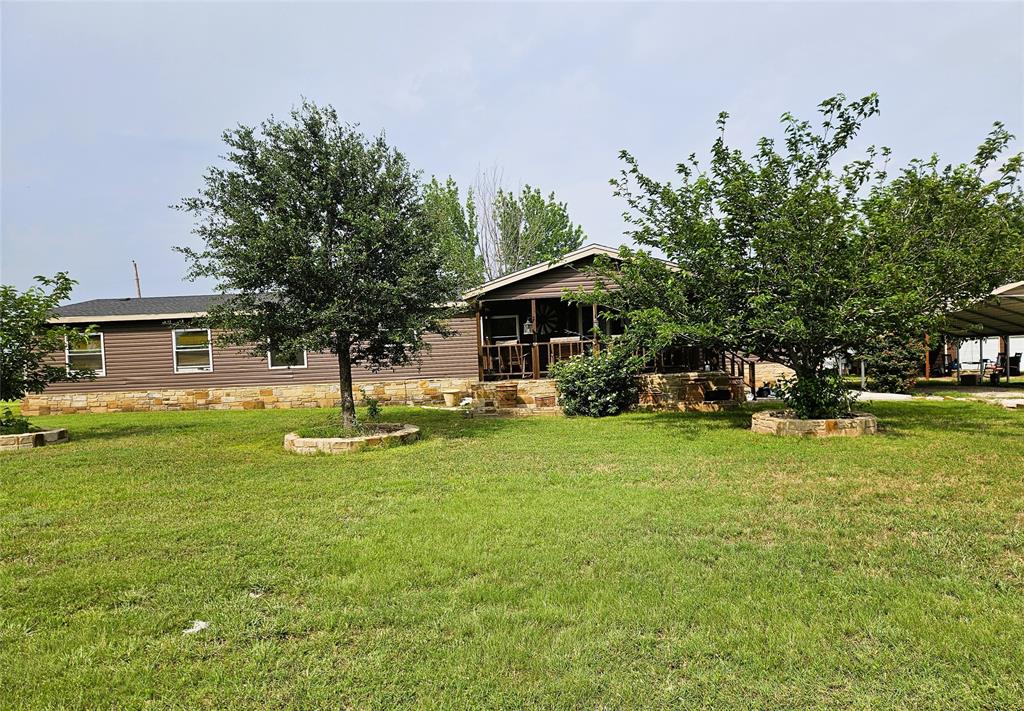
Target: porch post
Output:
[
  {"x": 480, "y": 341},
  {"x": 597, "y": 328},
  {"x": 536, "y": 348}
]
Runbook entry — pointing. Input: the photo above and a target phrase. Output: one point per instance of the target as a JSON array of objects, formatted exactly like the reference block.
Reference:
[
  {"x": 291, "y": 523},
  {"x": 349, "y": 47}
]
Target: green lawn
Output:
[{"x": 641, "y": 561}]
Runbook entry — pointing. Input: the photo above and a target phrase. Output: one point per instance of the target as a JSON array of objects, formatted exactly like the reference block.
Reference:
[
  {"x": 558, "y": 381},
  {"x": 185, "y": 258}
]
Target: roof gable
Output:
[{"x": 585, "y": 252}]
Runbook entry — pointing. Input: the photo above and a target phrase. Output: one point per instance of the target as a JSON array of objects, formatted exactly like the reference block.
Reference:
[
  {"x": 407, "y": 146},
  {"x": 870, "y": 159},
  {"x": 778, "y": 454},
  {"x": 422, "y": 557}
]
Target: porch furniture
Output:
[
  {"x": 506, "y": 358},
  {"x": 1004, "y": 367},
  {"x": 510, "y": 358},
  {"x": 564, "y": 347},
  {"x": 969, "y": 378}
]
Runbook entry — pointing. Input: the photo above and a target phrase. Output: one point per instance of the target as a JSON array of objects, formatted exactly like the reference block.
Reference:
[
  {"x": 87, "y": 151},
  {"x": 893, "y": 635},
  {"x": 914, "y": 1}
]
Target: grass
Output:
[{"x": 642, "y": 561}]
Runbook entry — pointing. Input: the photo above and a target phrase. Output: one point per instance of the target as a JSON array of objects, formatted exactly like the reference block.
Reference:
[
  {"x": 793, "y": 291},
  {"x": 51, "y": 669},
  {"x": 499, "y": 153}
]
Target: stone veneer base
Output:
[
  {"x": 30, "y": 440},
  {"x": 398, "y": 434},
  {"x": 783, "y": 422},
  {"x": 398, "y": 392},
  {"x": 672, "y": 391}
]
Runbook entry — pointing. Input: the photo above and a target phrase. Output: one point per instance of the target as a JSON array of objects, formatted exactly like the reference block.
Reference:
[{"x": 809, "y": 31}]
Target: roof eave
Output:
[
  {"x": 64, "y": 320},
  {"x": 106, "y": 318}
]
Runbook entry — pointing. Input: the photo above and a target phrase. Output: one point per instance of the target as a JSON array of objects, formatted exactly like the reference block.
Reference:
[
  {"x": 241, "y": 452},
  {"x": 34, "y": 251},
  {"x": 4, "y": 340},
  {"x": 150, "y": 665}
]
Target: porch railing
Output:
[
  {"x": 505, "y": 361},
  {"x": 502, "y": 361}
]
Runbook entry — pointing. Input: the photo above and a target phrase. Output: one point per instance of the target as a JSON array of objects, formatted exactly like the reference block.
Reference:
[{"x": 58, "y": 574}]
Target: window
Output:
[
  {"x": 193, "y": 351},
  {"x": 284, "y": 360},
  {"x": 86, "y": 353},
  {"x": 498, "y": 328}
]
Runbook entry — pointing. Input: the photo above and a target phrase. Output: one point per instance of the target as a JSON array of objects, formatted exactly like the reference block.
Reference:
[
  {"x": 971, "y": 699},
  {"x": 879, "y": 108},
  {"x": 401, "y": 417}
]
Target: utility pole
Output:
[{"x": 138, "y": 287}]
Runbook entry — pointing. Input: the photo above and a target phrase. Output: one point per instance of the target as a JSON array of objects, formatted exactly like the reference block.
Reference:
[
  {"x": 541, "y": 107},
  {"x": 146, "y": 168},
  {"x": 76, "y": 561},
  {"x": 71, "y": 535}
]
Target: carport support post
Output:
[{"x": 1004, "y": 346}]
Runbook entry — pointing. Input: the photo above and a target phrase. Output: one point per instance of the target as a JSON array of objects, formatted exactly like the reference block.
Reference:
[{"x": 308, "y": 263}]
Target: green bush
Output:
[
  {"x": 823, "y": 397},
  {"x": 373, "y": 409},
  {"x": 12, "y": 424},
  {"x": 893, "y": 363},
  {"x": 597, "y": 385}
]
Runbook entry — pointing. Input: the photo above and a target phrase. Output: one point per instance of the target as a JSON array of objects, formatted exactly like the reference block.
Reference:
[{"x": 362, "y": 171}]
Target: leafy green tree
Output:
[
  {"x": 28, "y": 341},
  {"x": 519, "y": 230},
  {"x": 320, "y": 236},
  {"x": 794, "y": 257},
  {"x": 454, "y": 226},
  {"x": 533, "y": 229}
]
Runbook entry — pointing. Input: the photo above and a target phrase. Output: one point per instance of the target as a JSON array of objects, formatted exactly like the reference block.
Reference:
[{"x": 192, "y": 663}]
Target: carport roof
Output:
[{"x": 1001, "y": 314}]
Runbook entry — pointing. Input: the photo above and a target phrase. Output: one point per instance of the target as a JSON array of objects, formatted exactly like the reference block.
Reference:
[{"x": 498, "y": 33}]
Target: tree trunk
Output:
[{"x": 347, "y": 402}]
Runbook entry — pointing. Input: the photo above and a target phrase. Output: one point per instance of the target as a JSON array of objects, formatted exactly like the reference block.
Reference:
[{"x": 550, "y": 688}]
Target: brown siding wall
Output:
[
  {"x": 549, "y": 284},
  {"x": 139, "y": 357}
]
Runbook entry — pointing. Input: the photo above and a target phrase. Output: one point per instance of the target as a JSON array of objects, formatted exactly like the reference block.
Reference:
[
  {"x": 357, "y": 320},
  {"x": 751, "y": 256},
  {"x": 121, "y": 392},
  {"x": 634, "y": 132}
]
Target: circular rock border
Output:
[
  {"x": 783, "y": 422},
  {"x": 393, "y": 435},
  {"x": 30, "y": 440}
]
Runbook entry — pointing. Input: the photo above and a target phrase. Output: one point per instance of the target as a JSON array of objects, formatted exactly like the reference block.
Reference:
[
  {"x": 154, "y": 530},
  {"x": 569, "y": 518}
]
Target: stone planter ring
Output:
[
  {"x": 30, "y": 440},
  {"x": 388, "y": 436},
  {"x": 784, "y": 422}
]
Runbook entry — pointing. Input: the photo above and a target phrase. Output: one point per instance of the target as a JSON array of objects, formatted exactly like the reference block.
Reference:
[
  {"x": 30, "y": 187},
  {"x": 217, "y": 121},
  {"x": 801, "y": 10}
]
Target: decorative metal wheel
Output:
[{"x": 547, "y": 319}]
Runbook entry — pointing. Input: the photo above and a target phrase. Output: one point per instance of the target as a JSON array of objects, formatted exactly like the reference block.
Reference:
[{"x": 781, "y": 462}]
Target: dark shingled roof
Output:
[{"x": 146, "y": 306}]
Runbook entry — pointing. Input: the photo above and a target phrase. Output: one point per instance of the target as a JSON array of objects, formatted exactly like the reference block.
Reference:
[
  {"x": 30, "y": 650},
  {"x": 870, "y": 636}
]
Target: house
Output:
[{"x": 148, "y": 355}]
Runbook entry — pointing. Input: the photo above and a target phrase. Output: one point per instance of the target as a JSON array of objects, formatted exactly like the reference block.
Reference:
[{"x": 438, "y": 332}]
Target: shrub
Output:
[
  {"x": 893, "y": 362},
  {"x": 824, "y": 397},
  {"x": 12, "y": 424},
  {"x": 373, "y": 409},
  {"x": 597, "y": 385}
]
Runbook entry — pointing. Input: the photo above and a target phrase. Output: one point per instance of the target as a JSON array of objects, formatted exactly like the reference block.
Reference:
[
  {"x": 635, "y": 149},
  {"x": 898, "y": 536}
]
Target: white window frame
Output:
[
  {"x": 174, "y": 351},
  {"x": 103, "y": 355},
  {"x": 305, "y": 363}
]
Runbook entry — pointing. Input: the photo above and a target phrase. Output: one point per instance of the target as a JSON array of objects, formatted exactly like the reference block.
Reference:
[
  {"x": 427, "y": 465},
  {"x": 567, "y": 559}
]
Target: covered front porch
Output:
[{"x": 523, "y": 338}]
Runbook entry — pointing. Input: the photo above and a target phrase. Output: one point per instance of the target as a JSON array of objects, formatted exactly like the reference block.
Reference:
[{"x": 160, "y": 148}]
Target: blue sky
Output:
[{"x": 112, "y": 111}]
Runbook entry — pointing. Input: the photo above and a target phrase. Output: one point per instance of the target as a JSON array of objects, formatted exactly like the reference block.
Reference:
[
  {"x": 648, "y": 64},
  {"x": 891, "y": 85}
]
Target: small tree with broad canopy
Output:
[
  {"x": 28, "y": 341},
  {"x": 794, "y": 257},
  {"x": 319, "y": 234}
]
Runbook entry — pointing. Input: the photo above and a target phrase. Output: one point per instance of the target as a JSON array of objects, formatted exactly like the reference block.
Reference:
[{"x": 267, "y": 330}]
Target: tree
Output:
[
  {"x": 28, "y": 340},
  {"x": 320, "y": 236},
  {"x": 893, "y": 362},
  {"x": 454, "y": 226},
  {"x": 787, "y": 256},
  {"x": 518, "y": 231}
]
